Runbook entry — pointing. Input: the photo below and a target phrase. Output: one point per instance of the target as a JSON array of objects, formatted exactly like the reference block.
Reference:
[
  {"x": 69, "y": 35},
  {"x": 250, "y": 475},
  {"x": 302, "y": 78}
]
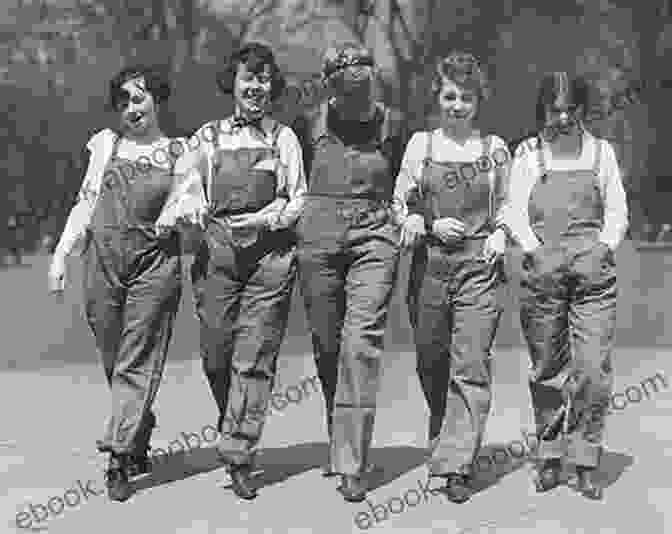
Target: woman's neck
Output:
[
  {"x": 151, "y": 135},
  {"x": 567, "y": 146},
  {"x": 460, "y": 133}
]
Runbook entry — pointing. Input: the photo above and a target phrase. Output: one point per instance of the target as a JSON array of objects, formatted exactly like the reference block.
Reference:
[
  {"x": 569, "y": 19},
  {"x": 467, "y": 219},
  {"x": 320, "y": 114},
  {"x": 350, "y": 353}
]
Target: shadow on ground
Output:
[{"x": 280, "y": 464}]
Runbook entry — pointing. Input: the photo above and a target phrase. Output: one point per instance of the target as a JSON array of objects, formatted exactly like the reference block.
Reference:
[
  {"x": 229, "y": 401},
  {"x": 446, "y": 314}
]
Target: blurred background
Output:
[{"x": 56, "y": 57}]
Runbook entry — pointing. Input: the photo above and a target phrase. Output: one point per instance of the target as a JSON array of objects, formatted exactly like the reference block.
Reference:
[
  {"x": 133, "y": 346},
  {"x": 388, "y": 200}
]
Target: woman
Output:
[
  {"x": 450, "y": 191},
  {"x": 253, "y": 181},
  {"x": 132, "y": 276},
  {"x": 349, "y": 252},
  {"x": 569, "y": 213}
]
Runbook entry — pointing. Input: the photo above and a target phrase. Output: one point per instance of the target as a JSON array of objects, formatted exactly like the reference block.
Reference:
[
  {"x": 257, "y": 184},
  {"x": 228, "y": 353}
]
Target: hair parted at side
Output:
[
  {"x": 465, "y": 70},
  {"x": 156, "y": 82},
  {"x": 255, "y": 56}
]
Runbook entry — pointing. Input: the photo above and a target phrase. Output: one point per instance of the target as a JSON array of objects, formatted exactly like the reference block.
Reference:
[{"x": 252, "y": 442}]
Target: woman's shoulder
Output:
[{"x": 100, "y": 138}]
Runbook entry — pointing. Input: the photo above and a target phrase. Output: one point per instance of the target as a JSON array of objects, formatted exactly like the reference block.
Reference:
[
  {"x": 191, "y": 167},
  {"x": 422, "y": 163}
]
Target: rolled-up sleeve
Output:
[
  {"x": 292, "y": 187},
  {"x": 407, "y": 190},
  {"x": 187, "y": 199},
  {"x": 614, "y": 199}
]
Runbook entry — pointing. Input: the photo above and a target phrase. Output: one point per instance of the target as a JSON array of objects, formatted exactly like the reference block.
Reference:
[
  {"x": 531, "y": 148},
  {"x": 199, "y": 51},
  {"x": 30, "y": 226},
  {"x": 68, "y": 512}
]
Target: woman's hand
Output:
[
  {"x": 248, "y": 221},
  {"x": 494, "y": 246},
  {"x": 57, "y": 274},
  {"x": 448, "y": 229},
  {"x": 412, "y": 231}
]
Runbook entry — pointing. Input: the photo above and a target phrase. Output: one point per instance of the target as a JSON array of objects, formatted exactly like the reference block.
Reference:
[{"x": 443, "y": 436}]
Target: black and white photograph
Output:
[{"x": 296, "y": 266}]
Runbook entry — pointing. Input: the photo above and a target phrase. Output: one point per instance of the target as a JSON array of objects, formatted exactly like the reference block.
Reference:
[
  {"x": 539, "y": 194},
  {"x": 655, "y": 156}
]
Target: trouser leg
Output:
[
  {"x": 592, "y": 322},
  {"x": 322, "y": 281},
  {"x": 217, "y": 287},
  {"x": 152, "y": 301},
  {"x": 544, "y": 308},
  {"x": 474, "y": 318},
  {"x": 261, "y": 327},
  {"x": 104, "y": 297},
  {"x": 431, "y": 320},
  {"x": 369, "y": 287}
]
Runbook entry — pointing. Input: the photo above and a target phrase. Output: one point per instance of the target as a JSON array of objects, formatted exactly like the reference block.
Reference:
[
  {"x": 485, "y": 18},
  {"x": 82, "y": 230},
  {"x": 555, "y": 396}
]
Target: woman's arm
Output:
[
  {"x": 79, "y": 217},
  {"x": 614, "y": 198},
  {"x": 286, "y": 209},
  {"x": 407, "y": 191},
  {"x": 187, "y": 200},
  {"x": 514, "y": 214}
]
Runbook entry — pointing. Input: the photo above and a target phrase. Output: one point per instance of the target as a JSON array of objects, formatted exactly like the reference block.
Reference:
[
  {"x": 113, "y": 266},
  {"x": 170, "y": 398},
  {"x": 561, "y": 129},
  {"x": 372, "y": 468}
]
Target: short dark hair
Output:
[
  {"x": 580, "y": 92},
  {"x": 256, "y": 56},
  {"x": 156, "y": 82}
]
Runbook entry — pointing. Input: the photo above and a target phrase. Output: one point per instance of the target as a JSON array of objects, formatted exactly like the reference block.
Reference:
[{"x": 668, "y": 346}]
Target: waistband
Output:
[
  {"x": 348, "y": 198},
  {"x": 466, "y": 246}
]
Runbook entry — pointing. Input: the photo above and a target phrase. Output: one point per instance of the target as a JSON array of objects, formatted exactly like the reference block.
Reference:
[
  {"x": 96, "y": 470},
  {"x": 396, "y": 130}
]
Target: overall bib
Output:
[
  {"x": 348, "y": 259},
  {"x": 132, "y": 288},
  {"x": 568, "y": 311},
  {"x": 242, "y": 286},
  {"x": 454, "y": 311}
]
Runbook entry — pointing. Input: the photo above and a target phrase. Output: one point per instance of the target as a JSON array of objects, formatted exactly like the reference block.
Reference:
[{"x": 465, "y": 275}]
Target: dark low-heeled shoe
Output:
[
  {"x": 352, "y": 488},
  {"x": 586, "y": 486},
  {"x": 139, "y": 465},
  {"x": 240, "y": 482},
  {"x": 328, "y": 473},
  {"x": 547, "y": 476},
  {"x": 119, "y": 488},
  {"x": 457, "y": 488}
]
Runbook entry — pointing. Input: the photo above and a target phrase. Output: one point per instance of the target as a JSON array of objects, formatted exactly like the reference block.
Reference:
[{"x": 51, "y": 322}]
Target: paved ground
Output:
[{"x": 54, "y": 402}]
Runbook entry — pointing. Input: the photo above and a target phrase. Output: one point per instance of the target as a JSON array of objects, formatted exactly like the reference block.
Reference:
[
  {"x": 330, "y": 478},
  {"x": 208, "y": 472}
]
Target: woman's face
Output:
[
  {"x": 252, "y": 90},
  {"x": 562, "y": 120},
  {"x": 353, "y": 89},
  {"x": 458, "y": 104},
  {"x": 137, "y": 107}
]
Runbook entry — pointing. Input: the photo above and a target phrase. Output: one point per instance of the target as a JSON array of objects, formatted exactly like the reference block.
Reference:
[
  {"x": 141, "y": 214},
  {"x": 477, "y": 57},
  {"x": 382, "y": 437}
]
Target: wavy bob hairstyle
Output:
[
  {"x": 156, "y": 82},
  {"x": 255, "y": 56}
]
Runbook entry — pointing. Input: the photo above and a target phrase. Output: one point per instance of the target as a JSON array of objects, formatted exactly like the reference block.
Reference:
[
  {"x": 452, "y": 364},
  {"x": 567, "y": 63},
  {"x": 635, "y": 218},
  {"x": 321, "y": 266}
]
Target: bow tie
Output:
[{"x": 238, "y": 123}]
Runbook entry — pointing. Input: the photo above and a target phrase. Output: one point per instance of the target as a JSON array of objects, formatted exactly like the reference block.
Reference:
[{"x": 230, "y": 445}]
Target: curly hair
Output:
[
  {"x": 463, "y": 69},
  {"x": 255, "y": 56},
  {"x": 337, "y": 58},
  {"x": 156, "y": 82}
]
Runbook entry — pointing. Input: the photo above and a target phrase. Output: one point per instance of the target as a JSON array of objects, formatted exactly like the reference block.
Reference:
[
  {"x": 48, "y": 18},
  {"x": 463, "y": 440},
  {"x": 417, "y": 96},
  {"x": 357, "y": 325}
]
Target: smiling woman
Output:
[
  {"x": 250, "y": 178},
  {"x": 132, "y": 279}
]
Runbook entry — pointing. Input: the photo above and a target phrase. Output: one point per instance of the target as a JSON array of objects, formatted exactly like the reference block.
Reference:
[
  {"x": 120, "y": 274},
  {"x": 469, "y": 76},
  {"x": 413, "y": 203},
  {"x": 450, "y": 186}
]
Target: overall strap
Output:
[
  {"x": 541, "y": 159},
  {"x": 494, "y": 183},
  {"x": 385, "y": 127},
  {"x": 275, "y": 135},
  {"x": 115, "y": 146},
  {"x": 598, "y": 156},
  {"x": 428, "y": 148}
]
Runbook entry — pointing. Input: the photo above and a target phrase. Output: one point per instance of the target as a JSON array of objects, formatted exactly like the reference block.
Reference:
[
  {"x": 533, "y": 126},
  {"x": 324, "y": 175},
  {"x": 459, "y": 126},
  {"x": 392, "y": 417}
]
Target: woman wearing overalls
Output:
[
  {"x": 348, "y": 254},
  {"x": 449, "y": 193},
  {"x": 132, "y": 275},
  {"x": 251, "y": 168},
  {"x": 570, "y": 206}
]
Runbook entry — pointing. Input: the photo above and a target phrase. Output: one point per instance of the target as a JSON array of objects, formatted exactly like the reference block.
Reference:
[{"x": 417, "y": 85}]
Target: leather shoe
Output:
[
  {"x": 587, "y": 486},
  {"x": 457, "y": 488},
  {"x": 240, "y": 482},
  {"x": 547, "y": 476},
  {"x": 352, "y": 488},
  {"x": 119, "y": 488}
]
